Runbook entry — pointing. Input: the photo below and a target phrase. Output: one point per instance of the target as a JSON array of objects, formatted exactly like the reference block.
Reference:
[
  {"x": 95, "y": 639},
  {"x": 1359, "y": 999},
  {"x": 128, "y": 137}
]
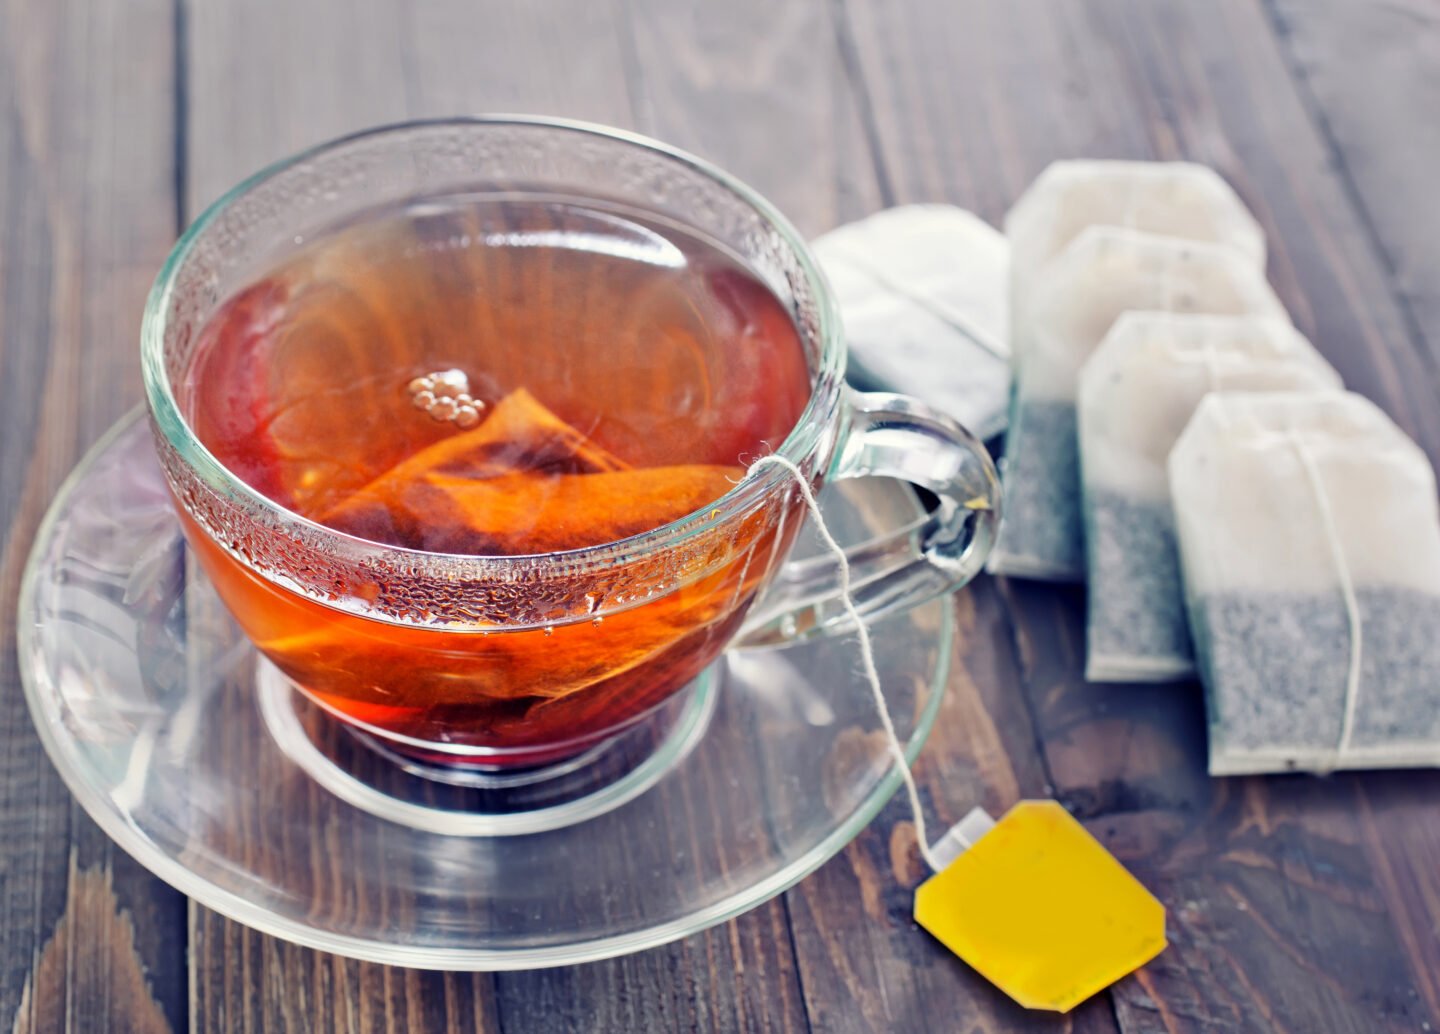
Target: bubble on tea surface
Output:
[
  {"x": 467, "y": 416},
  {"x": 445, "y": 395},
  {"x": 449, "y": 383},
  {"x": 444, "y": 409}
]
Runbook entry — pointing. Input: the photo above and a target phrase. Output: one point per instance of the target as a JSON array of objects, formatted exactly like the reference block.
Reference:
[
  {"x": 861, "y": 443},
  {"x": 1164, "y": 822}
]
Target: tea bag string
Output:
[
  {"x": 962, "y": 323},
  {"x": 867, "y": 650},
  {"x": 1347, "y": 587}
]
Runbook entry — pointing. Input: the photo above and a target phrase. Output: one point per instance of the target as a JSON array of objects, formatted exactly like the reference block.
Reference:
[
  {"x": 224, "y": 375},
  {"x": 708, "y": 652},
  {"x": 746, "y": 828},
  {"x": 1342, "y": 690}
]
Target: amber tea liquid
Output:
[{"x": 500, "y": 375}]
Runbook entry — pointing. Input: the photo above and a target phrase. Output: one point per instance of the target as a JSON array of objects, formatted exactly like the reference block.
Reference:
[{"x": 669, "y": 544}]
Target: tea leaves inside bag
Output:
[
  {"x": 1105, "y": 272},
  {"x": 1310, "y": 543},
  {"x": 1173, "y": 199}
]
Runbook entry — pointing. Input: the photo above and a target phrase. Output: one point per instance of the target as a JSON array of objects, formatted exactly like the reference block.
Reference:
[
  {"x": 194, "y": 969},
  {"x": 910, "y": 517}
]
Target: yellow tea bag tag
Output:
[{"x": 1038, "y": 907}]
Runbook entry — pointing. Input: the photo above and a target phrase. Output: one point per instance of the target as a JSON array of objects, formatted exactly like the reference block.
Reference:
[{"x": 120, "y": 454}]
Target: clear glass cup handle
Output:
[{"x": 900, "y": 437}]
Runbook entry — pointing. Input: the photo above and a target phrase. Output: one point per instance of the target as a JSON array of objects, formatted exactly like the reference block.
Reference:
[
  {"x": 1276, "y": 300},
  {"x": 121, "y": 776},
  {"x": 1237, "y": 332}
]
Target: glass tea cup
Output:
[{"x": 506, "y": 662}]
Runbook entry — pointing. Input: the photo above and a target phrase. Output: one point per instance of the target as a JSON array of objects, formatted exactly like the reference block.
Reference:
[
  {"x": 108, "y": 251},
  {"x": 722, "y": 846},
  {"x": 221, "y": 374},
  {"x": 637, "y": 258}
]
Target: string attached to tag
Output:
[
  {"x": 1032, "y": 902},
  {"x": 867, "y": 649}
]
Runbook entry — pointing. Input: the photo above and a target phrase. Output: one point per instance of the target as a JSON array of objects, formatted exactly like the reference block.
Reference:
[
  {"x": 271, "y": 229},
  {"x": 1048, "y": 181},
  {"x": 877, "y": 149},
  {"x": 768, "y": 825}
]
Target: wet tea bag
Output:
[
  {"x": 922, "y": 296},
  {"x": 1173, "y": 199},
  {"x": 1310, "y": 543},
  {"x": 1106, "y": 271},
  {"x": 523, "y": 481},
  {"x": 1137, "y": 392}
]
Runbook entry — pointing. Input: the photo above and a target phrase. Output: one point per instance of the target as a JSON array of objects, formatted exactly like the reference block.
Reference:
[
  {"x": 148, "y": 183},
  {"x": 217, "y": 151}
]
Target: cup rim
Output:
[{"x": 812, "y": 424}]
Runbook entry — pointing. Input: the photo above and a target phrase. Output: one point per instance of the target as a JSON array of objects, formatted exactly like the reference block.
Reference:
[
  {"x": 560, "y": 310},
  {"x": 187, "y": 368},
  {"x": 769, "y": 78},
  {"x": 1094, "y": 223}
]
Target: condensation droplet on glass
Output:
[
  {"x": 549, "y": 630},
  {"x": 597, "y": 620}
]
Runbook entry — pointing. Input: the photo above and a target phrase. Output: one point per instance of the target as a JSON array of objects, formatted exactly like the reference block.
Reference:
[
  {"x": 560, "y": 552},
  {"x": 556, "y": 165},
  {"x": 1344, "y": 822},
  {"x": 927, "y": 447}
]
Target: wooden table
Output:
[{"x": 1295, "y": 903}]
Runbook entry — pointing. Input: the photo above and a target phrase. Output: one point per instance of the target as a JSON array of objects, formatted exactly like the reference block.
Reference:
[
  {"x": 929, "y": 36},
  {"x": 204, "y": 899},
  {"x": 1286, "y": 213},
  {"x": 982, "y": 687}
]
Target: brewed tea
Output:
[{"x": 499, "y": 375}]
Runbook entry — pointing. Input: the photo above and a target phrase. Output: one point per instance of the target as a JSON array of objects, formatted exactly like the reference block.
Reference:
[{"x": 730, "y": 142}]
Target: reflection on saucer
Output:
[{"x": 250, "y": 799}]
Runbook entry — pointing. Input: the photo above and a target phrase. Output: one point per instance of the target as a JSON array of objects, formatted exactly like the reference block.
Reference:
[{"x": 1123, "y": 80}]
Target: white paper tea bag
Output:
[
  {"x": 1310, "y": 543},
  {"x": 922, "y": 293},
  {"x": 1173, "y": 199},
  {"x": 1137, "y": 393},
  {"x": 1104, "y": 272}
]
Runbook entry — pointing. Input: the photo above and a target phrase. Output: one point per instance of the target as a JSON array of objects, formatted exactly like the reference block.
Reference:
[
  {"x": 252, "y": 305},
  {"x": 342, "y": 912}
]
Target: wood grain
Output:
[
  {"x": 1370, "y": 76},
  {"x": 242, "y": 980},
  {"x": 91, "y": 961},
  {"x": 87, "y": 939},
  {"x": 762, "y": 90},
  {"x": 267, "y": 79},
  {"x": 1233, "y": 859}
]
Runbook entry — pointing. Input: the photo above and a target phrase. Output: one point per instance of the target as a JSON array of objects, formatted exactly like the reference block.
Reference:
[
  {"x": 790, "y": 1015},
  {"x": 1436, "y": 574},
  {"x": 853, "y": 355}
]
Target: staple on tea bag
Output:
[
  {"x": 1104, "y": 272},
  {"x": 1174, "y": 199},
  {"x": 922, "y": 296},
  {"x": 1137, "y": 392},
  {"x": 1310, "y": 543}
]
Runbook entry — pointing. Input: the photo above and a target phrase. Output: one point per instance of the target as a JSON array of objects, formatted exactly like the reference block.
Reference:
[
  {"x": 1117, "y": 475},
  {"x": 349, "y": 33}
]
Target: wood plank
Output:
[
  {"x": 247, "y": 981},
  {"x": 1261, "y": 876},
  {"x": 761, "y": 90},
  {"x": 88, "y": 940},
  {"x": 1370, "y": 76},
  {"x": 268, "y": 79}
]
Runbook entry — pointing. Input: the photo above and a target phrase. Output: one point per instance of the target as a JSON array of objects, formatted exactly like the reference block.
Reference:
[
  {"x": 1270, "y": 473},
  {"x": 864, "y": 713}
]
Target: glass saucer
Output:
[{"x": 199, "y": 760}]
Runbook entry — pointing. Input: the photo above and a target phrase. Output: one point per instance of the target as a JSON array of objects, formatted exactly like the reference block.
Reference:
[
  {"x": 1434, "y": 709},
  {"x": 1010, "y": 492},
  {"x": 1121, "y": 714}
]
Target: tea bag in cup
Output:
[
  {"x": 523, "y": 480},
  {"x": 1106, "y": 271},
  {"x": 1174, "y": 199},
  {"x": 1310, "y": 543},
  {"x": 1136, "y": 394},
  {"x": 922, "y": 293}
]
